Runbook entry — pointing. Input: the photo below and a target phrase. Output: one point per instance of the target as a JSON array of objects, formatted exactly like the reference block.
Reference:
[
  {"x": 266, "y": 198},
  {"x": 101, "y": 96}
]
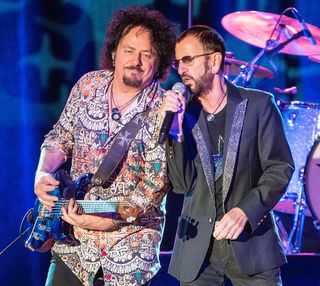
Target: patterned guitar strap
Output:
[{"x": 119, "y": 148}]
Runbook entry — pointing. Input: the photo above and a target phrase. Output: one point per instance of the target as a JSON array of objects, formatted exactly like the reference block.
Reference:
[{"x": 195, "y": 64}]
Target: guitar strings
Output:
[{"x": 56, "y": 210}]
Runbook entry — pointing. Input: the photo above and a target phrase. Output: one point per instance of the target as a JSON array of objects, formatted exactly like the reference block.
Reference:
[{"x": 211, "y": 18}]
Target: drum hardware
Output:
[
  {"x": 316, "y": 224},
  {"x": 302, "y": 127},
  {"x": 274, "y": 33},
  {"x": 190, "y": 11},
  {"x": 302, "y": 124},
  {"x": 289, "y": 91},
  {"x": 280, "y": 33},
  {"x": 286, "y": 244},
  {"x": 233, "y": 67},
  {"x": 308, "y": 199},
  {"x": 298, "y": 220},
  {"x": 248, "y": 71},
  {"x": 312, "y": 179},
  {"x": 315, "y": 58},
  {"x": 257, "y": 28}
]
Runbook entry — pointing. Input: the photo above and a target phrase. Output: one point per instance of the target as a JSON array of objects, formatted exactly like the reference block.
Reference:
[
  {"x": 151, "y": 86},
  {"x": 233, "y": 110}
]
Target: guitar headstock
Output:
[{"x": 128, "y": 211}]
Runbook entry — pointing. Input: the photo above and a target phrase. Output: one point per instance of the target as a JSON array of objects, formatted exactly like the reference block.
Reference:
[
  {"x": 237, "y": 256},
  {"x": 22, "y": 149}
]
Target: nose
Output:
[
  {"x": 137, "y": 59},
  {"x": 181, "y": 68}
]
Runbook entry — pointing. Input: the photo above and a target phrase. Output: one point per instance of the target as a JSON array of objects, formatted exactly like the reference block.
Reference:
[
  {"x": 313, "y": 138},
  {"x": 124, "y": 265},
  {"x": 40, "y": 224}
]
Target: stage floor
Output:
[{"x": 302, "y": 269}]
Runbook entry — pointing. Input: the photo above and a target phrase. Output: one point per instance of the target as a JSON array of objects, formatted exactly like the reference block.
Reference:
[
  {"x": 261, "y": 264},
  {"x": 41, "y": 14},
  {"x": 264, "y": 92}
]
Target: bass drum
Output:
[
  {"x": 312, "y": 180},
  {"x": 302, "y": 124}
]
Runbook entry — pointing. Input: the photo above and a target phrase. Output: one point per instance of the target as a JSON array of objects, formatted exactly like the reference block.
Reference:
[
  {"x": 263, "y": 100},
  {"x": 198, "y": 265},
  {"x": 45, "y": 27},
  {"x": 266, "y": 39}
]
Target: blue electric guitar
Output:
[{"x": 48, "y": 227}]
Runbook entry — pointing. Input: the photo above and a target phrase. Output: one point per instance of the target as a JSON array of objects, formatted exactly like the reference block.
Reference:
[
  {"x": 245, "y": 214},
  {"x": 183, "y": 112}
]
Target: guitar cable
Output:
[{"x": 28, "y": 216}]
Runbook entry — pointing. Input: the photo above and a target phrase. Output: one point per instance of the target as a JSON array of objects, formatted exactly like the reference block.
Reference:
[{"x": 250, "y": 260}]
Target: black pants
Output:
[
  {"x": 221, "y": 264},
  {"x": 59, "y": 274}
]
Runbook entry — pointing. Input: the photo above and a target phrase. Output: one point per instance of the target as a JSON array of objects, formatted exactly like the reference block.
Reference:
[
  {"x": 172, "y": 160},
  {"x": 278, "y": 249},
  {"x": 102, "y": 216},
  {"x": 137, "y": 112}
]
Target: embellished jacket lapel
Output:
[
  {"x": 195, "y": 120},
  {"x": 236, "y": 109},
  {"x": 196, "y": 123}
]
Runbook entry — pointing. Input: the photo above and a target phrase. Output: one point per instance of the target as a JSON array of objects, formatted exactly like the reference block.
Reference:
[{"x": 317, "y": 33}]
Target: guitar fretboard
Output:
[{"x": 84, "y": 206}]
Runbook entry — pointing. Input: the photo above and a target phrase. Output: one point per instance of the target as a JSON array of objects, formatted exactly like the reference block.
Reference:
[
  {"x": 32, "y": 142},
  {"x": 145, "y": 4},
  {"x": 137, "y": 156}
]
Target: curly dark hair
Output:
[
  {"x": 161, "y": 29},
  {"x": 210, "y": 39}
]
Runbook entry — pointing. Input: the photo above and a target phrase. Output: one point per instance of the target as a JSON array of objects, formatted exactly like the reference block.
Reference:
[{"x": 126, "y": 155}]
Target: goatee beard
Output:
[{"x": 132, "y": 82}]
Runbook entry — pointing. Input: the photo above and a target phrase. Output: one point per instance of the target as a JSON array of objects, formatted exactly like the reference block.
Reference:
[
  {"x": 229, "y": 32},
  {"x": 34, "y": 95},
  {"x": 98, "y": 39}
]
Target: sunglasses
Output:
[{"x": 187, "y": 60}]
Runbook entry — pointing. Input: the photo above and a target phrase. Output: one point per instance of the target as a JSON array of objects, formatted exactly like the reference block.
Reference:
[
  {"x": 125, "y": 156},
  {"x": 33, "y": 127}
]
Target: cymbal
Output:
[
  {"x": 315, "y": 58},
  {"x": 255, "y": 28},
  {"x": 233, "y": 67}
]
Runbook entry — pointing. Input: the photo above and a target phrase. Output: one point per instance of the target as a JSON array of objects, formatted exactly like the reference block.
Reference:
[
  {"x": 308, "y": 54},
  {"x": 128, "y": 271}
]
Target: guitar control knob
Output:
[{"x": 97, "y": 181}]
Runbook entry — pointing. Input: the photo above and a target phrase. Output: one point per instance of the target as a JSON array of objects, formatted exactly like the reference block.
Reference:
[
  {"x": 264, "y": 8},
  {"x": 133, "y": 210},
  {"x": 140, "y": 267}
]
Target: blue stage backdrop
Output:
[{"x": 46, "y": 46}]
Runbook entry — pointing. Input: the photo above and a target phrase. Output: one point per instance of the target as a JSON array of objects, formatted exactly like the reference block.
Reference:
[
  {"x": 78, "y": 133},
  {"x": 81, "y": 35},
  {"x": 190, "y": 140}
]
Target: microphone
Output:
[
  {"x": 305, "y": 30},
  {"x": 167, "y": 122}
]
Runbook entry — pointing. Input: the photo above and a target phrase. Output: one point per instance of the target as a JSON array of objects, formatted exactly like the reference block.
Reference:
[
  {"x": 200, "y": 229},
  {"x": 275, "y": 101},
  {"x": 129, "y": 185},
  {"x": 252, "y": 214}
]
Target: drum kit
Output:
[{"x": 289, "y": 35}]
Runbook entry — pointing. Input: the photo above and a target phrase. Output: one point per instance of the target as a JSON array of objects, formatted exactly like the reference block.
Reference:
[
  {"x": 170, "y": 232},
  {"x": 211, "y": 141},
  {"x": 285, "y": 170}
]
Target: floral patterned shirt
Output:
[{"x": 130, "y": 254}]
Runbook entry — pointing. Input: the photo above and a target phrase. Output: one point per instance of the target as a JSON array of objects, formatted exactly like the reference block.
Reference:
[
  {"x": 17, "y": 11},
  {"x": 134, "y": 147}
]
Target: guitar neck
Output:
[{"x": 90, "y": 207}]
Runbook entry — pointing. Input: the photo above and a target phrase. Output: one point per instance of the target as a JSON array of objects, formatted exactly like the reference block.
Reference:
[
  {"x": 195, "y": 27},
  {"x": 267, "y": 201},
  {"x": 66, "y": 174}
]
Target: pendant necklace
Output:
[
  {"x": 116, "y": 109},
  {"x": 210, "y": 116},
  {"x": 115, "y": 114}
]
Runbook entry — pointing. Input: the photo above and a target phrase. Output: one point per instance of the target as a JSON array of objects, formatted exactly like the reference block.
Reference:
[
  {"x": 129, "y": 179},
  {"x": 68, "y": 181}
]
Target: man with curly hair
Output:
[{"x": 138, "y": 51}]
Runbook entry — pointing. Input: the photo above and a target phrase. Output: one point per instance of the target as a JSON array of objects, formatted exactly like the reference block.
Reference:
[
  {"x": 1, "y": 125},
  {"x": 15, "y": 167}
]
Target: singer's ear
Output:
[
  {"x": 113, "y": 55},
  {"x": 216, "y": 62}
]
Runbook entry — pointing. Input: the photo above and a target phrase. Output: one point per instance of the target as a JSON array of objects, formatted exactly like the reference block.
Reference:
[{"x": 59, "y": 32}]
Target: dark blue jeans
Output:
[{"x": 220, "y": 264}]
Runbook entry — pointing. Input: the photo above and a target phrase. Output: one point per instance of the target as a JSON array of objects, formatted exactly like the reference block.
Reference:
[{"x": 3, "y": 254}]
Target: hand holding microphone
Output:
[{"x": 173, "y": 103}]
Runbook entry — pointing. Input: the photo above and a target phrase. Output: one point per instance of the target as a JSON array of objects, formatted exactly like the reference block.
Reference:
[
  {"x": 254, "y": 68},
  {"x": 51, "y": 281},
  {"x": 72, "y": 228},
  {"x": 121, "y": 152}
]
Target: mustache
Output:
[
  {"x": 137, "y": 68},
  {"x": 186, "y": 76}
]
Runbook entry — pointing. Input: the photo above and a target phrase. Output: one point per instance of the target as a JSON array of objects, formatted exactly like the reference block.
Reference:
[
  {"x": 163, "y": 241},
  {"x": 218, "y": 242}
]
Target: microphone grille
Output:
[{"x": 179, "y": 87}]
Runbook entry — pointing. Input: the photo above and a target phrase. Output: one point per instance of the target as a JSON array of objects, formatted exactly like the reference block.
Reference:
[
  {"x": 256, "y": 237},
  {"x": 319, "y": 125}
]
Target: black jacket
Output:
[{"x": 257, "y": 168}]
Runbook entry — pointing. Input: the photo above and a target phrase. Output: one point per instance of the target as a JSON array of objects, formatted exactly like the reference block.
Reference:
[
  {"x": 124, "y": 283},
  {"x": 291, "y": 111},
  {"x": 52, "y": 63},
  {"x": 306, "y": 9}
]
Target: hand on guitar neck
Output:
[
  {"x": 76, "y": 213},
  {"x": 52, "y": 218}
]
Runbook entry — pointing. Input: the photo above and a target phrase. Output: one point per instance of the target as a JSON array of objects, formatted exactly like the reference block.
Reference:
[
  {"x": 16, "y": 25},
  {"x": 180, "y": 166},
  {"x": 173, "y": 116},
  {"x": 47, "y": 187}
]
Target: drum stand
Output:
[
  {"x": 271, "y": 47},
  {"x": 316, "y": 225},
  {"x": 295, "y": 236}
]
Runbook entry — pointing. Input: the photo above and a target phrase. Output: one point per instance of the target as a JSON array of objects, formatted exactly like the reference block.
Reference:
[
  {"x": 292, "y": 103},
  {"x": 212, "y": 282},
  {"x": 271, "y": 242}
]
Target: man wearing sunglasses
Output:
[{"x": 230, "y": 158}]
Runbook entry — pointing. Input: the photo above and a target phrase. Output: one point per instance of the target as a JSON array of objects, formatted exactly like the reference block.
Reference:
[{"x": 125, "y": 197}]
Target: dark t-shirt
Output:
[{"x": 216, "y": 129}]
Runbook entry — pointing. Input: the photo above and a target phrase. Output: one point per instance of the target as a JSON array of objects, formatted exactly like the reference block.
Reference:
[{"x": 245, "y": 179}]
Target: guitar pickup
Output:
[
  {"x": 44, "y": 227},
  {"x": 37, "y": 236}
]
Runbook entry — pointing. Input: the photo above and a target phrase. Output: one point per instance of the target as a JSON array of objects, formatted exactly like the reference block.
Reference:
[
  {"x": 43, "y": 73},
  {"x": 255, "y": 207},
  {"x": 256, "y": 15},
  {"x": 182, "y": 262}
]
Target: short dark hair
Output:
[
  {"x": 161, "y": 29},
  {"x": 211, "y": 40}
]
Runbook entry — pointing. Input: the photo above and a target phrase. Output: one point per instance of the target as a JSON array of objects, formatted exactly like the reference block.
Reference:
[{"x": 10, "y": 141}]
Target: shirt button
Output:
[{"x": 210, "y": 220}]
